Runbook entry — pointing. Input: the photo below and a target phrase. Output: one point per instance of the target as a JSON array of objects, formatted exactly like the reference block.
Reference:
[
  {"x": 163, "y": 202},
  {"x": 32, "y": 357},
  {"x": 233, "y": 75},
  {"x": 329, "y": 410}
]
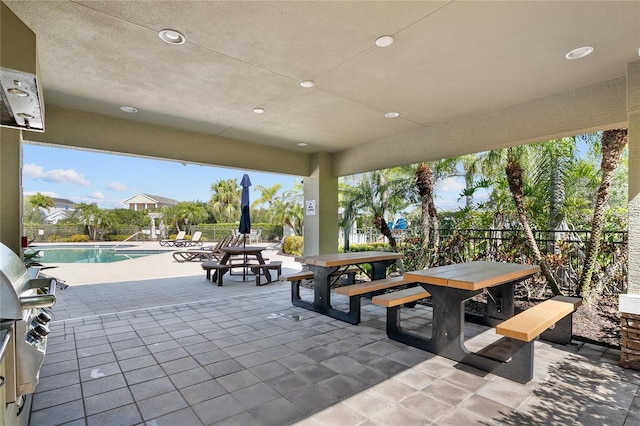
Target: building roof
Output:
[
  {"x": 62, "y": 202},
  {"x": 141, "y": 198}
]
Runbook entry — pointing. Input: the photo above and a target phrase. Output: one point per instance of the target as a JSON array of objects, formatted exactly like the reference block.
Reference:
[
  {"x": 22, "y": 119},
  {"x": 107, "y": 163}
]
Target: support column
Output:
[
  {"x": 320, "y": 207},
  {"x": 11, "y": 188},
  {"x": 630, "y": 302}
]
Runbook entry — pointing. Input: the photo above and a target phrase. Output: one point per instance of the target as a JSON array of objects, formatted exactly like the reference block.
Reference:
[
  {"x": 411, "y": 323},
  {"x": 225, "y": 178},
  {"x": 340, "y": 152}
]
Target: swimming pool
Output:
[{"x": 89, "y": 254}]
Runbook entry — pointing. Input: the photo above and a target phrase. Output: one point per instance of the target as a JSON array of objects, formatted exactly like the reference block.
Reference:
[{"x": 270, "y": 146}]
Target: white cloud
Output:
[
  {"x": 117, "y": 186},
  {"x": 451, "y": 184},
  {"x": 34, "y": 171},
  {"x": 47, "y": 193},
  {"x": 96, "y": 195},
  {"x": 448, "y": 205}
]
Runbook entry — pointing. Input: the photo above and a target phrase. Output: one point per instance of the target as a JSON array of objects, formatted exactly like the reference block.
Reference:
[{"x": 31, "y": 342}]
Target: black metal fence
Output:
[{"x": 564, "y": 250}]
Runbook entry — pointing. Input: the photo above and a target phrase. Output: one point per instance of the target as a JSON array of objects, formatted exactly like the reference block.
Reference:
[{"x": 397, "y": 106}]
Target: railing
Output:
[
  {"x": 126, "y": 239},
  {"x": 565, "y": 250}
]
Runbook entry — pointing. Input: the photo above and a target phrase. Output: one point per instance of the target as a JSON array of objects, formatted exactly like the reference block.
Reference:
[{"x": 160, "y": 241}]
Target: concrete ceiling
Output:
[{"x": 453, "y": 65}]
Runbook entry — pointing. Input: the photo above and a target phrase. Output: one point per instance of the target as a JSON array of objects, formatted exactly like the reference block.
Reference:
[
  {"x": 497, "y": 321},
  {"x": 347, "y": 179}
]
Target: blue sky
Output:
[{"x": 109, "y": 179}]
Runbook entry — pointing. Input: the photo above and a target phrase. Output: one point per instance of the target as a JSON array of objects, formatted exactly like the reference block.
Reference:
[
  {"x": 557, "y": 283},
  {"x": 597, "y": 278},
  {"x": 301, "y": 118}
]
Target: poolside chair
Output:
[
  {"x": 196, "y": 239},
  {"x": 202, "y": 253},
  {"x": 234, "y": 240},
  {"x": 172, "y": 242},
  {"x": 188, "y": 255}
]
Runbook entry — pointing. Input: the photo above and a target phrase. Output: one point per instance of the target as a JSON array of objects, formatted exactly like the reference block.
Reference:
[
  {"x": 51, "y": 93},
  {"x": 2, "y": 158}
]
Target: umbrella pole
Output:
[{"x": 244, "y": 267}]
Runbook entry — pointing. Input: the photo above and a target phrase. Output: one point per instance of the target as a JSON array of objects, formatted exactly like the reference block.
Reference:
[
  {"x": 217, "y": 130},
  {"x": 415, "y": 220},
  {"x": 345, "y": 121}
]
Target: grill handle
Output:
[
  {"x": 4, "y": 344},
  {"x": 40, "y": 300}
]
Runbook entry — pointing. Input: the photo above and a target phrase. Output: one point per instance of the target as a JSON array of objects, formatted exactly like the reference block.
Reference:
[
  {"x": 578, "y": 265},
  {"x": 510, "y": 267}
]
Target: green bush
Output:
[
  {"x": 293, "y": 245},
  {"x": 368, "y": 247},
  {"x": 79, "y": 238}
]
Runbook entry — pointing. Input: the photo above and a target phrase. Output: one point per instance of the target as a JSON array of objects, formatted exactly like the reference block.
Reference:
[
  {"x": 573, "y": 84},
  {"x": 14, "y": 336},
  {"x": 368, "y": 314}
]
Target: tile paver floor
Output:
[{"x": 181, "y": 351}]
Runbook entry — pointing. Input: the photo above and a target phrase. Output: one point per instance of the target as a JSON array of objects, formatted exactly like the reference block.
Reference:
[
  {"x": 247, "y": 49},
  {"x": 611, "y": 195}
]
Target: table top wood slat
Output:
[
  {"x": 243, "y": 250},
  {"x": 350, "y": 258},
  {"x": 473, "y": 275}
]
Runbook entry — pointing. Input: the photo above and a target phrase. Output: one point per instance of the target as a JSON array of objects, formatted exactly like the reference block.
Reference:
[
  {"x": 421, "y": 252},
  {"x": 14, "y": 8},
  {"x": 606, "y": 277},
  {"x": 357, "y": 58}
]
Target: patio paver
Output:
[{"x": 196, "y": 354}]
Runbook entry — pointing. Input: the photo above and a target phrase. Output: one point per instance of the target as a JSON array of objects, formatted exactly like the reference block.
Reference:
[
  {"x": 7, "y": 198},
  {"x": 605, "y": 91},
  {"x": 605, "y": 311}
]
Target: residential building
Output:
[{"x": 141, "y": 202}]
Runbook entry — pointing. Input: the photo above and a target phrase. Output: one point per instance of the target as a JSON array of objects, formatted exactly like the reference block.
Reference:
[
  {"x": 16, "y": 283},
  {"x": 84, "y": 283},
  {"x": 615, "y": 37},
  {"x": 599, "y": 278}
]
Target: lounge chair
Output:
[
  {"x": 193, "y": 241},
  {"x": 196, "y": 239},
  {"x": 172, "y": 242},
  {"x": 203, "y": 253}
]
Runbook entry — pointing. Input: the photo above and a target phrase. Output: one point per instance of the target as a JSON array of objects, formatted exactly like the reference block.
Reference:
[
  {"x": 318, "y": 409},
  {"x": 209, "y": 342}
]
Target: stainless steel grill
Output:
[{"x": 23, "y": 335}]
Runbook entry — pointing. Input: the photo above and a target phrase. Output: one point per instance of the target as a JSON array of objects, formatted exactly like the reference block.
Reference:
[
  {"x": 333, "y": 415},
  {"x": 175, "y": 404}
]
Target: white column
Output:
[
  {"x": 11, "y": 188},
  {"x": 630, "y": 302},
  {"x": 320, "y": 208}
]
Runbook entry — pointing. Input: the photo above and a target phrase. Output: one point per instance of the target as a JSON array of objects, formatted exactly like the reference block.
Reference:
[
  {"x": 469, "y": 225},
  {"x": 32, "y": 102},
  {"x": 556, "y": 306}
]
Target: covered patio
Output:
[
  {"x": 243, "y": 355},
  {"x": 306, "y": 89}
]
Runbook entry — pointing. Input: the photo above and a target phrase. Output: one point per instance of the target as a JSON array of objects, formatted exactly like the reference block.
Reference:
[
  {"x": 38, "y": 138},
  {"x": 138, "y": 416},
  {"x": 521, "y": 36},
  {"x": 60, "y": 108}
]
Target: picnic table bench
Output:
[
  {"x": 258, "y": 270},
  {"x": 511, "y": 356},
  {"x": 218, "y": 269},
  {"x": 325, "y": 270}
]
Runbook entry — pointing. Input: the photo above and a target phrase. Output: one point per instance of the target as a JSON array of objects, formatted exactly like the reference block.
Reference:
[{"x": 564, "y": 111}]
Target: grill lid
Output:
[{"x": 14, "y": 280}]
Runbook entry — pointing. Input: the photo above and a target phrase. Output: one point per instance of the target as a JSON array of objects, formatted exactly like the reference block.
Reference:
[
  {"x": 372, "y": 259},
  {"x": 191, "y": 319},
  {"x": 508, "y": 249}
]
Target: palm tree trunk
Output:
[
  {"x": 382, "y": 226},
  {"x": 613, "y": 143},
  {"x": 424, "y": 183},
  {"x": 513, "y": 171}
]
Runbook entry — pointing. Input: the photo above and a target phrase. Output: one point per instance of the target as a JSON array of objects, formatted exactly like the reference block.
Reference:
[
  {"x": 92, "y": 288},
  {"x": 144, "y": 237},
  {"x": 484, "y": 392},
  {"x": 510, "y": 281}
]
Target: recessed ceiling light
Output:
[
  {"x": 384, "y": 41},
  {"x": 17, "y": 92},
  {"x": 307, "y": 83},
  {"x": 129, "y": 109},
  {"x": 302, "y": 144},
  {"x": 392, "y": 114},
  {"x": 258, "y": 110},
  {"x": 580, "y": 52},
  {"x": 172, "y": 36}
]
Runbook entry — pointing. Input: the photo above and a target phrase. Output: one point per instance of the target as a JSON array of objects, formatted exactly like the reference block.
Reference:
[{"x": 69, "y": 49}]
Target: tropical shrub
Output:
[
  {"x": 293, "y": 245},
  {"x": 79, "y": 238}
]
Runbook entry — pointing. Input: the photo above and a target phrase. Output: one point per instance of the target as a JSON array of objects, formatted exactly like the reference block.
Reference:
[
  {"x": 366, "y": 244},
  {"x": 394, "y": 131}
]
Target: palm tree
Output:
[
  {"x": 225, "y": 200},
  {"x": 171, "y": 216},
  {"x": 348, "y": 209},
  {"x": 267, "y": 196},
  {"x": 93, "y": 218},
  {"x": 613, "y": 143},
  {"x": 514, "y": 172},
  {"x": 41, "y": 201},
  {"x": 553, "y": 163},
  {"x": 381, "y": 193},
  {"x": 429, "y": 217},
  {"x": 192, "y": 213},
  {"x": 288, "y": 208}
]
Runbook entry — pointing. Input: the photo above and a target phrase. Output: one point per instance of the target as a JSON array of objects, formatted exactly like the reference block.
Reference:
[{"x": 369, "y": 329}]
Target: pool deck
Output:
[{"x": 150, "y": 341}]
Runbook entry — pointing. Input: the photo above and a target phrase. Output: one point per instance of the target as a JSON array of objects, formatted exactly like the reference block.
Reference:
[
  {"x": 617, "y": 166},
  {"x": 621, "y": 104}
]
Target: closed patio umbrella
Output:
[{"x": 245, "y": 217}]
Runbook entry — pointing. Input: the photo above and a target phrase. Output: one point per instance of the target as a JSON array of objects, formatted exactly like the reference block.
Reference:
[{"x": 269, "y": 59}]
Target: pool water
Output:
[{"x": 85, "y": 254}]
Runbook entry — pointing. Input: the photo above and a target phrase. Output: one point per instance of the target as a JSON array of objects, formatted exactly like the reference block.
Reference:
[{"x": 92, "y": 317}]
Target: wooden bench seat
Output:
[
  {"x": 219, "y": 270},
  {"x": 298, "y": 276},
  {"x": 370, "y": 286},
  {"x": 258, "y": 270},
  {"x": 308, "y": 275},
  {"x": 400, "y": 297},
  {"x": 534, "y": 322}
]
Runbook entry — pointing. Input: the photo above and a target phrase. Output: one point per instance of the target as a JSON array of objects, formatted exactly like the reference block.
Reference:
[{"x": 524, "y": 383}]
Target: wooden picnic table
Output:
[
  {"x": 245, "y": 252},
  {"x": 450, "y": 286},
  {"x": 326, "y": 265}
]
